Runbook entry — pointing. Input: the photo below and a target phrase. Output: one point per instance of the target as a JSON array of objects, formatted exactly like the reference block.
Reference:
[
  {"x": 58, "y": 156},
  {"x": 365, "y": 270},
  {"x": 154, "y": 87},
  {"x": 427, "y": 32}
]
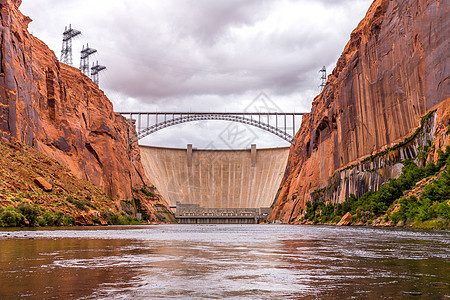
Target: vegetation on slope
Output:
[
  {"x": 394, "y": 203},
  {"x": 70, "y": 200},
  {"x": 150, "y": 204}
]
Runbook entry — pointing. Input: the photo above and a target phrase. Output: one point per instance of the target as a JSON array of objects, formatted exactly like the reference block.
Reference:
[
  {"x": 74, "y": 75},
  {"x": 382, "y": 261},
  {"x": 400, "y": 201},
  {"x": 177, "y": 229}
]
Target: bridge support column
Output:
[
  {"x": 189, "y": 155},
  {"x": 253, "y": 155}
]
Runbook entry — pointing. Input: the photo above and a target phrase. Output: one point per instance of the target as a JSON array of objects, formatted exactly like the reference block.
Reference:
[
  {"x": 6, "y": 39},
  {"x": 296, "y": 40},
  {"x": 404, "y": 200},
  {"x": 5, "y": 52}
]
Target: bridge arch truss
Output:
[{"x": 282, "y": 125}]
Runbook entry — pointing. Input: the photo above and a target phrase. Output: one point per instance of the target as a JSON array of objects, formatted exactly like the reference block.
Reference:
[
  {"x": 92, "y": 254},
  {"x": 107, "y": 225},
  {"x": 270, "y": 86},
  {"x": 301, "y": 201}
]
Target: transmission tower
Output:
[
  {"x": 66, "y": 52},
  {"x": 84, "y": 62},
  {"x": 94, "y": 72},
  {"x": 323, "y": 78}
]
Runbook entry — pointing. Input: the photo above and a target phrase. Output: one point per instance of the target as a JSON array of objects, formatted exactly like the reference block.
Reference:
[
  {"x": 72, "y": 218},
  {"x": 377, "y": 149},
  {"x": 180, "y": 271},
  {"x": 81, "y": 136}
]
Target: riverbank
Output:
[{"x": 419, "y": 198}]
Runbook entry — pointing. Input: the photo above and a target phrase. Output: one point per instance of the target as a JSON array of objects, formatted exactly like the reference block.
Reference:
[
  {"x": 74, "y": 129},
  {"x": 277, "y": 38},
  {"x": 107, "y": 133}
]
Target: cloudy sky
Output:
[{"x": 204, "y": 55}]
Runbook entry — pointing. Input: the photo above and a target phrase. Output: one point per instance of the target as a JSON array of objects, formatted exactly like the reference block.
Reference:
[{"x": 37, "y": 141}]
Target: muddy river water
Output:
[{"x": 224, "y": 262}]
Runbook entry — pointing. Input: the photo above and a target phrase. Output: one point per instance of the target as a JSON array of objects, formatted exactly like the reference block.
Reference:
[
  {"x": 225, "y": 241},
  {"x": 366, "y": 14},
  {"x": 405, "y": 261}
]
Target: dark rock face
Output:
[
  {"x": 61, "y": 112},
  {"x": 392, "y": 72}
]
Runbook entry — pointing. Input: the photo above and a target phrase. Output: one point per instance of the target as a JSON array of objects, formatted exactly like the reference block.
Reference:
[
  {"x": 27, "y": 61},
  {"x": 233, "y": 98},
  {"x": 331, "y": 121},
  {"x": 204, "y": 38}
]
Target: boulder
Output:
[
  {"x": 346, "y": 220},
  {"x": 43, "y": 184}
]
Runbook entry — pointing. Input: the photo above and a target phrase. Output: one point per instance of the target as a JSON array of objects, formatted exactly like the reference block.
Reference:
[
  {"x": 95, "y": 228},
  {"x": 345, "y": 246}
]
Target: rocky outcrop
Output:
[
  {"x": 390, "y": 75},
  {"x": 61, "y": 112},
  {"x": 346, "y": 220}
]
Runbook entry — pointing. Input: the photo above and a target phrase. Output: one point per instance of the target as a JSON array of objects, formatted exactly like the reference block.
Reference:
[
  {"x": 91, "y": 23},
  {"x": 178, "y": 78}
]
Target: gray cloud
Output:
[
  {"x": 202, "y": 54},
  {"x": 207, "y": 20}
]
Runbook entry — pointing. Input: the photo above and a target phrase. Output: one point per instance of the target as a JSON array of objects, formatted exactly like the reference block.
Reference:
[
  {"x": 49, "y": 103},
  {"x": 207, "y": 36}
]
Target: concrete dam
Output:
[{"x": 216, "y": 186}]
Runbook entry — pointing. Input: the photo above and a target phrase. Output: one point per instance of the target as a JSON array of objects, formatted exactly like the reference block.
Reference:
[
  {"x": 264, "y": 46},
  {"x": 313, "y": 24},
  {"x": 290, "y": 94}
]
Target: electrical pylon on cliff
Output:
[
  {"x": 96, "y": 68},
  {"x": 66, "y": 52},
  {"x": 84, "y": 62},
  {"x": 323, "y": 78}
]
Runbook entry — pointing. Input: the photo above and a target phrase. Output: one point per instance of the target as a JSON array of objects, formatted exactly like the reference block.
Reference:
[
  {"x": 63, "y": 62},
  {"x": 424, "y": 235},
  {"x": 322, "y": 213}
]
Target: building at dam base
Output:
[
  {"x": 216, "y": 186},
  {"x": 194, "y": 214}
]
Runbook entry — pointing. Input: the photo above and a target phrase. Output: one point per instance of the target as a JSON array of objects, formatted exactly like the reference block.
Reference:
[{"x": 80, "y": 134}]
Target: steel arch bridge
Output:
[{"x": 279, "y": 124}]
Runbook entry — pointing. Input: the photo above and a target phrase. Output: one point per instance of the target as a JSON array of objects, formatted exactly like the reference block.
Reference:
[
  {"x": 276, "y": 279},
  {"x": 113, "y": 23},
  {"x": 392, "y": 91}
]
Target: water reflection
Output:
[{"x": 224, "y": 261}]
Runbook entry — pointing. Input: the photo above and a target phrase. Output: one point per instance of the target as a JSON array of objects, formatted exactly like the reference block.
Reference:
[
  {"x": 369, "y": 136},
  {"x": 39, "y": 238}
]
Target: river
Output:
[{"x": 224, "y": 262}]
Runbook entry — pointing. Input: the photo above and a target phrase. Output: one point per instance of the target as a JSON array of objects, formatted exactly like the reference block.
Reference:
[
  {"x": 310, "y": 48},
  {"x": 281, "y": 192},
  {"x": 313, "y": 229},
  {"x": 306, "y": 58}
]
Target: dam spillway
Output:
[{"x": 218, "y": 181}]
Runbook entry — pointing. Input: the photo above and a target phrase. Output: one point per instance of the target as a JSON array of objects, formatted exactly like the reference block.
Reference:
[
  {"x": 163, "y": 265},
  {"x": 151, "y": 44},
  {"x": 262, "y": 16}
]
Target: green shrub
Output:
[
  {"x": 147, "y": 193},
  {"x": 128, "y": 202},
  {"x": 336, "y": 219},
  {"x": 443, "y": 156},
  {"x": 122, "y": 220},
  {"x": 31, "y": 212},
  {"x": 432, "y": 224},
  {"x": 145, "y": 216},
  {"x": 16, "y": 199},
  {"x": 137, "y": 203},
  {"x": 113, "y": 219},
  {"x": 68, "y": 220},
  {"x": 133, "y": 221},
  {"x": 327, "y": 213},
  {"x": 53, "y": 219},
  {"x": 80, "y": 204},
  {"x": 10, "y": 217},
  {"x": 41, "y": 221}
]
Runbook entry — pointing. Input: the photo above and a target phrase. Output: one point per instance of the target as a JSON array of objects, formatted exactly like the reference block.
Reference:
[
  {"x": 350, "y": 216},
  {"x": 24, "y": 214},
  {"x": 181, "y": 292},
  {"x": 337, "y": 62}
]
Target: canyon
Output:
[
  {"x": 366, "y": 121},
  {"x": 374, "y": 150}
]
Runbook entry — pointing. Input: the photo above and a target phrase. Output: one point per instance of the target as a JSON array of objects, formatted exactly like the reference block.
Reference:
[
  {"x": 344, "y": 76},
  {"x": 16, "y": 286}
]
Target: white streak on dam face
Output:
[{"x": 216, "y": 178}]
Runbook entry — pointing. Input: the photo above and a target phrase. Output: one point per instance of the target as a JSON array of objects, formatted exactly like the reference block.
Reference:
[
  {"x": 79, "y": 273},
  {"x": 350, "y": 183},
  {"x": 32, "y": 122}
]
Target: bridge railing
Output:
[{"x": 282, "y": 125}]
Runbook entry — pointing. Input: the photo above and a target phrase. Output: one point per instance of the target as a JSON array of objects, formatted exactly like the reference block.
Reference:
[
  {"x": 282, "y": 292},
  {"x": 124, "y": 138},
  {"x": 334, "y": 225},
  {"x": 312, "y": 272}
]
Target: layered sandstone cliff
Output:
[
  {"x": 61, "y": 112},
  {"x": 391, "y": 73}
]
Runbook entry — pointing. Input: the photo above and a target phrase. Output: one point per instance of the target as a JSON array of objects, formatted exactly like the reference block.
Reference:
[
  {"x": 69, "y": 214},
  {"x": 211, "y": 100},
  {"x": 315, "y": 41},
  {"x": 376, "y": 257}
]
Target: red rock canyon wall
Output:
[
  {"x": 58, "y": 110},
  {"x": 393, "y": 71}
]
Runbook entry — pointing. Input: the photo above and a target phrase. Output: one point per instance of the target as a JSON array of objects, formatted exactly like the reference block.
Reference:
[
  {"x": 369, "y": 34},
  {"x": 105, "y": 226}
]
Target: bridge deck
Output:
[{"x": 281, "y": 124}]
